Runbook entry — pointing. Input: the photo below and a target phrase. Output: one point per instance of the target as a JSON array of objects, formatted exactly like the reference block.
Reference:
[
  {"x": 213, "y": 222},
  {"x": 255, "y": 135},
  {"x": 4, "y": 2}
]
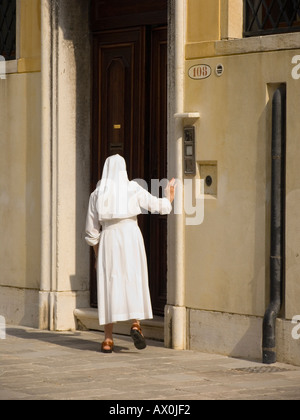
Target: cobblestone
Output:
[{"x": 43, "y": 365}]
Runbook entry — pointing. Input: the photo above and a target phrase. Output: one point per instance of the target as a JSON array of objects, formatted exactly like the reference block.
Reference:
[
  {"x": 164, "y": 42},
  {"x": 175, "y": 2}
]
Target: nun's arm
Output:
[
  {"x": 153, "y": 204},
  {"x": 92, "y": 228}
]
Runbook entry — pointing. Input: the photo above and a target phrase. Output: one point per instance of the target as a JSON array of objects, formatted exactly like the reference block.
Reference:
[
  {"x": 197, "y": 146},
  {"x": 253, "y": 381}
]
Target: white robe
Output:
[{"x": 122, "y": 273}]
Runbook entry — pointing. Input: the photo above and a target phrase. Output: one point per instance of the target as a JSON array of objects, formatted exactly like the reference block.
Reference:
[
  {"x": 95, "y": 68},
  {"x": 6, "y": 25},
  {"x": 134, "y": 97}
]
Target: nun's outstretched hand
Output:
[{"x": 170, "y": 190}]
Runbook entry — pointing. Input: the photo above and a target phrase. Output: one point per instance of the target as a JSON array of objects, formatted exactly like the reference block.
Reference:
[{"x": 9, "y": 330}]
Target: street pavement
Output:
[{"x": 43, "y": 365}]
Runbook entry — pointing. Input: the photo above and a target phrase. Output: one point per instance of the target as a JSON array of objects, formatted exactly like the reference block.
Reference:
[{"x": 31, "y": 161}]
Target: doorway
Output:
[{"x": 129, "y": 112}]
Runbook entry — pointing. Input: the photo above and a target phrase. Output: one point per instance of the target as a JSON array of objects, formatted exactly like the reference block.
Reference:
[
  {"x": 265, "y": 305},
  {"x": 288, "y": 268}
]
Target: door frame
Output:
[
  {"x": 176, "y": 312},
  {"x": 53, "y": 54}
]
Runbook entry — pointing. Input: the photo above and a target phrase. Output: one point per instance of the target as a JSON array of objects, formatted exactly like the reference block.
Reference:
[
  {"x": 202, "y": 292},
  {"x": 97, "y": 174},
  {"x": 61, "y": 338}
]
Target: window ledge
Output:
[
  {"x": 188, "y": 115},
  {"x": 249, "y": 45}
]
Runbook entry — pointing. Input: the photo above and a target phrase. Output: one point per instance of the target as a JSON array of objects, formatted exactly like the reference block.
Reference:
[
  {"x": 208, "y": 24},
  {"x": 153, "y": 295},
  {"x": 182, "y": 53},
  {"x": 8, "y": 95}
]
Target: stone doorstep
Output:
[{"x": 87, "y": 319}]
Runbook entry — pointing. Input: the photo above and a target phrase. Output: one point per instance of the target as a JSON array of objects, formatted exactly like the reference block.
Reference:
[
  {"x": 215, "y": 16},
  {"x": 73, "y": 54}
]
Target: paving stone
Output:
[{"x": 41, "y": 365}]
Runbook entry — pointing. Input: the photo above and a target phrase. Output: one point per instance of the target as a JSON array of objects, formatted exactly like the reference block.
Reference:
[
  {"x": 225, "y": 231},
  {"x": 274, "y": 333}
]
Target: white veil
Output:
[{"x": 117, "y": 197}]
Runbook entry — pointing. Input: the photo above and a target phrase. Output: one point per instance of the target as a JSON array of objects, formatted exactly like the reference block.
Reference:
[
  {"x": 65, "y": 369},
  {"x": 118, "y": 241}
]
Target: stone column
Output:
[
  {"x": 175, "y": 312},
  {"x": 65, "y": 161}
]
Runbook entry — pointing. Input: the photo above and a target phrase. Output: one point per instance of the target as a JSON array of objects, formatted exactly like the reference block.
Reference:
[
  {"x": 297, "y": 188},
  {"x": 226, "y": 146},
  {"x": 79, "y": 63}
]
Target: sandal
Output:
[
  {"x": 107, "y": 343},
  {"x": 137, "y": 336}
]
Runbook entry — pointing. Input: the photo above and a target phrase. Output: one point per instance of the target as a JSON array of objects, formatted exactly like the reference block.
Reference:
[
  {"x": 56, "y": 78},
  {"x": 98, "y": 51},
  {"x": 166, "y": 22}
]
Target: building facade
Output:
[{"x": 181, "y": 88}]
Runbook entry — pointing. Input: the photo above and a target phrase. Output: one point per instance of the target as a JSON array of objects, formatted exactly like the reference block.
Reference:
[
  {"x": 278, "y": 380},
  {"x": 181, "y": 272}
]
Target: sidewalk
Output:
[{"x": 42, "y": 365}]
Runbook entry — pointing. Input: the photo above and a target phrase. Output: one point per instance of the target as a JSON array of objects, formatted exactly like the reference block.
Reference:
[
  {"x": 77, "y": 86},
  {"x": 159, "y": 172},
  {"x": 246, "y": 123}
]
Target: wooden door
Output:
[
  {"x": 130, "y": 118},
  {"x": 118, "y": 100}
]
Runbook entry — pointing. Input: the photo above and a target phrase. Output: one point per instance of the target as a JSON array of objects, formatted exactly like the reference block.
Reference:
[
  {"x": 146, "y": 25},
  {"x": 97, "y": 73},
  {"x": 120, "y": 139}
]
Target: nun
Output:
[{"x": 112, "y": 230}]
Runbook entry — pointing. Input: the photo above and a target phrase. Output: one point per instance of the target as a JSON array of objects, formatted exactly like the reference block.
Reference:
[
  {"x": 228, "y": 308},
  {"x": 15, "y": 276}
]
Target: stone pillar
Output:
[
  {"x": 175, "y": 313},
  {"x": 65, "y": 161}
]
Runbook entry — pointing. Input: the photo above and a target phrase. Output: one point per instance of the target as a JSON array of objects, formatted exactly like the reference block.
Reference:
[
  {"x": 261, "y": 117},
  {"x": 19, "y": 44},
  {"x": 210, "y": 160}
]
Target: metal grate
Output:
[
  {"x": 261, "y": 369},
  {"x": 265, "y": 17},
  {"x": 8, "y": 29}
]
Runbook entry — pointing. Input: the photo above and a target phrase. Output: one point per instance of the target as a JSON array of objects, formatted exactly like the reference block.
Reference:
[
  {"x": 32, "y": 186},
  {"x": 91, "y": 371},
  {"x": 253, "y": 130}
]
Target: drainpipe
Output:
[{"x": 277, "y": 224}]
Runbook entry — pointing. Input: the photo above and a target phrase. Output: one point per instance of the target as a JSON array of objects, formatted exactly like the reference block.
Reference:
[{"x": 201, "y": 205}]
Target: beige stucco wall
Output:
[
  {"x": 228, "y": 269},
  {"x": 227, "y": 256},
  {"x": 20, "y": 104},
  {"x": 203, "y": 20},
  {"x": 213, "y": 20},
  {"x": 20, "y": 194},
  {"x": 29, "y": 33}
]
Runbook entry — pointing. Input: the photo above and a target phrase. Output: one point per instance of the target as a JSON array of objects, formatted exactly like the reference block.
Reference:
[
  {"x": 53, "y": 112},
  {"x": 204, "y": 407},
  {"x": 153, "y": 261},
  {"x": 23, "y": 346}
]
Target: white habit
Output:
[{"x": 122, "y": 273}]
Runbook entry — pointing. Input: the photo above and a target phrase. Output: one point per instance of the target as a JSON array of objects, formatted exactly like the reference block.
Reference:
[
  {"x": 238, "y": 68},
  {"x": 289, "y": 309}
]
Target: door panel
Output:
[{"x": 118, "y": 103}]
